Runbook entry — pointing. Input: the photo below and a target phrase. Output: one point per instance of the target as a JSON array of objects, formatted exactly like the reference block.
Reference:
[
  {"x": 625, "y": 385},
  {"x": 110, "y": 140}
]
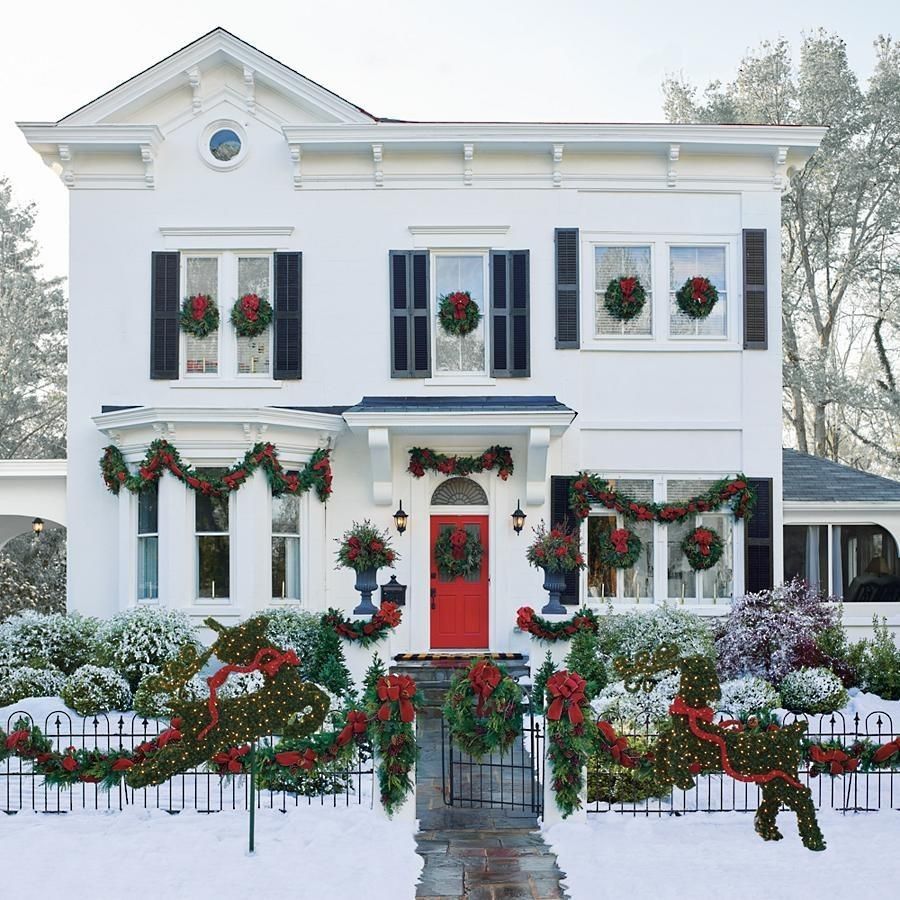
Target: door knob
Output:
[{"x": 433, "y": 597}]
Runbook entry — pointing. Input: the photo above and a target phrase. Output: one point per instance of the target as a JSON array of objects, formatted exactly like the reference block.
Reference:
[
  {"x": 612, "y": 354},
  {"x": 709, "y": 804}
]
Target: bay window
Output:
[
  {"x": 212, "y": 542},
  {"x": 286, "y": 548},
  {"x": 148, "y": 543}
]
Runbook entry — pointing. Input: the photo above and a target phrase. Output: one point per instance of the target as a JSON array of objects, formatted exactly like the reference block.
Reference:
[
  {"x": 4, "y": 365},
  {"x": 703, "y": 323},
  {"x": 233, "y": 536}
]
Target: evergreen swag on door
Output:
[{"x": 162, "y": 456}]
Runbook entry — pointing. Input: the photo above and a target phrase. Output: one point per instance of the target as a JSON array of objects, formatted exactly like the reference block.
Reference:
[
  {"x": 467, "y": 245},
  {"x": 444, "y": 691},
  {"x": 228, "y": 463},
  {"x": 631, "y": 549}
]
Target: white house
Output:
[{"x": 221, "y": 172}]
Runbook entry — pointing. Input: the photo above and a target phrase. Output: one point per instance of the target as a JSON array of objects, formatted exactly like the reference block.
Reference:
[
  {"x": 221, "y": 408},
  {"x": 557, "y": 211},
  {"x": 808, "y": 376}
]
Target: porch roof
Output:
[
  {"x": 811, "y": 479},
  {"x": 493, "y": 403}
]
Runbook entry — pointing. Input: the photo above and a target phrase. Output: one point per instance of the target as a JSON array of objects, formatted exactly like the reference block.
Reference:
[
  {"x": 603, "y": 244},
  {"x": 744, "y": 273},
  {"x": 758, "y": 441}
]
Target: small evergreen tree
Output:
[
  {"x": 584, "y": 658},
  {"x": 375, "y": 671},
  {"x": 540, "y": 682},
  {"x": 330, "y": 666}
]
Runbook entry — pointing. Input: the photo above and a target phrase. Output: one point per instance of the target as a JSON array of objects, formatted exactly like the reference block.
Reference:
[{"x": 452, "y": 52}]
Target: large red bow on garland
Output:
[
  {"x": 837, "y": 761},
  {"x": 396, "y": 689},
  {"x": 231, "y": 762},
  {"x": 292, "y": 758},
  {"x": 886, "y": 751},
  {"x": 567, "y": 691},
  {"x": 616, "y": 747},
  {"x": 268, "y": 660},
  {"x": 357, "y": 723},
  {"x": 484, "y": 677}
]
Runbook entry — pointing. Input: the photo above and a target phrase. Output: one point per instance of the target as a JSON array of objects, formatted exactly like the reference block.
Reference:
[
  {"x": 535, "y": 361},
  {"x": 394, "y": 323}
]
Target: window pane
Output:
[
  {"x": 685, "y": 263},
  {"x": 202, "y": 354},
  {"x": 602, "y": 580},
  {"x": 609, "y": 582},
  {"x": 718, "y": 582},
  {"x": 148, "y": 568},
  {"x": 869, "y": 570},
  {"x": 806, "y": 554},
  {"x": 148, "y": 510},
  {"x": 213, "y": 566},
  {"x": 285, "y": 567},
  {"x": 682, "y": 578},
  {"x": 286, "y": 514},
  {"x": 611, "y": 263},
  {"x": 253, "y": 276},
  {"x": 452, "y": 352},
  {"x": 210, "y": 513},
  {"x": 203, "y": 276},
  {"x": 253, "y": 352}
]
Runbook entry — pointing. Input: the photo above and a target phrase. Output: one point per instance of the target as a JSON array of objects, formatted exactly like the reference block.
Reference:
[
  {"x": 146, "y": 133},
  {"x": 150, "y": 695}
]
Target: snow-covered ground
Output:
[
  {"x": 309, "y": 852},
  {"x": 714, "y": 855}
]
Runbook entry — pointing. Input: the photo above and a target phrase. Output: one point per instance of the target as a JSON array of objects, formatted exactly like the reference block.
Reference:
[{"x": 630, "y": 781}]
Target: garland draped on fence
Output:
[
  {"x": 735, "y": 493},
  {"x": 162, "y": 456}
]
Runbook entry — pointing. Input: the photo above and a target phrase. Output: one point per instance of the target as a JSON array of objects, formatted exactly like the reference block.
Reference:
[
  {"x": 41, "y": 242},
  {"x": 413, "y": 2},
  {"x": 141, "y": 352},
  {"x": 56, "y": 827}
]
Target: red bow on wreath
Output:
[
  {"x": 619, "y": 540},
  {"x": 250, "y": 306},
  {"x": 484, "y": 677},
  {"x": 567, "y": 690},
  {"x": 627, "y": 286},
  {"x": 460, "y": 301},
  {"x": 199, "y": 305},
  {"x": 357, "y": 723},
  {"x": 524, "y": 617},
  {"x": 396, "y": 689},
  {"x": 703, "y": 538},
  {"x": 458, "y": 541},
  {"x": 617, "y": 747},
  {"x": 699, "y": 288}
]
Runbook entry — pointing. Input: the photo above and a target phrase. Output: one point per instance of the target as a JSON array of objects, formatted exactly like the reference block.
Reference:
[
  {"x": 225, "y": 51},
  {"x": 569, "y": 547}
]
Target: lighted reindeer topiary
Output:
[
  {"x": 285, "y": 705},
  {"x": 695, "y": 744}
]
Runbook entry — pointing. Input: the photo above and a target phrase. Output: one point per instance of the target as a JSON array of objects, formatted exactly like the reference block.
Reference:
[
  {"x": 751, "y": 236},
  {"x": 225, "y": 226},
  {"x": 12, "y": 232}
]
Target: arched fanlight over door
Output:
[{"x": 459, "y": 492}]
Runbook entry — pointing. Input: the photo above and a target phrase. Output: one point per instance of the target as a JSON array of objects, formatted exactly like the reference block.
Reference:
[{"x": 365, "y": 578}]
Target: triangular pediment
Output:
[{"x": 216, "y": 66}]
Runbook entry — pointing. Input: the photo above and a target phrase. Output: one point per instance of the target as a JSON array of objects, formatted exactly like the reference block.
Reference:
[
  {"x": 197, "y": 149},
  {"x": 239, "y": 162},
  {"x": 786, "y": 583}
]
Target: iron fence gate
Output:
[{"x": 513, "y": 780}]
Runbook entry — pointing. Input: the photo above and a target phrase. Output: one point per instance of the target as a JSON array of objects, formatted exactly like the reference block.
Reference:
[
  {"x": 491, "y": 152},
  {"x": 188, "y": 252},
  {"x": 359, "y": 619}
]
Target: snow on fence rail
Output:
[
  {"x": 197, "y": 789},
  {"x": 859, "y": 791}
]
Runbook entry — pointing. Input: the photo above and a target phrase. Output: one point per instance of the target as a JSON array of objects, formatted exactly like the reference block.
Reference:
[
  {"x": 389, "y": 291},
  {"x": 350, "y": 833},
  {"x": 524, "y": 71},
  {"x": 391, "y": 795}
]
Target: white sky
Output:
[{"x": 578, "y": 60}]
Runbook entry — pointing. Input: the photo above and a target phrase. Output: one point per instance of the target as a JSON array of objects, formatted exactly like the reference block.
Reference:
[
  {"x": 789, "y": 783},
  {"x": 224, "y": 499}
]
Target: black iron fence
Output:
[
  {"x": 512, "y": 780},
  {"x": 618, "y": 790},
  {"x": 198, "y": 789}
]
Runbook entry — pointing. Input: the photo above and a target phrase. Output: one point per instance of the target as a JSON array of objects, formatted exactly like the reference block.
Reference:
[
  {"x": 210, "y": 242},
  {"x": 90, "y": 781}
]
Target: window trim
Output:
[
  {"x": 183, "y": 337},
  {"x": 654, "y": 329},
  {"x": 138, "y": 537},
  {"x": 730, "y": 281},
  {"x": 621, "y": 597}
]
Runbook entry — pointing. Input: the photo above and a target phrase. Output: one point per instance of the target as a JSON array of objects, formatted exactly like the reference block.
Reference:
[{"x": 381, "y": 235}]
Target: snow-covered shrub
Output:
[
  {"x": 763, "y": 631},
  {"x": 25, "y": 681},
  {"x": 90, "y": 690},
  {"x": 627, "y": 711},
  {"x": 297, "y": 630},
  {"x": 44, "y": 641},
  {"x": 153, "y": 704},
  {"x": 812, "y": 691},
  {"x": 138, "y": 641},
  {"x": 750, "y": 694},
  {"x": 636, "y": 632},
  {"x": 239, "y": 684}
]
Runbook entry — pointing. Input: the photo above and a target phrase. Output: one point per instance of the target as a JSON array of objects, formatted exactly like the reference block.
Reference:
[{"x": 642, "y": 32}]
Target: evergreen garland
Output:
[
  {"x": 546, "y": 669},
  {"x": 423, "y": 459},
  {"x": 386, "y": 618},
  {"x": 544, "y": 630},
  {"x": 584, "y": 658}
]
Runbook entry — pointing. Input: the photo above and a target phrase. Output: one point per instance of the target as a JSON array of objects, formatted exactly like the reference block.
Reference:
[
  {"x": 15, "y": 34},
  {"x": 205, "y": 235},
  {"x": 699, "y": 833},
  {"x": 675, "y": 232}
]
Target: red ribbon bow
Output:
[
  {"x": 388, "y": 614},
  {"x": 567, "y": 690},
  {"x": 396, "y": 689},
  {"x": 524, "y": 617},
  {"x": 458, "y": 540},
  {"x": 838, "y": 761},
  {"x": 16, "y": 738},
  {"x": 460, "y": 301},
  {"x": 619, "y": 539},
  {"x": 616, "y": 746},
  {"x": 357, "y": 722},
  {"x": 886, "y": 751},
  {"x": 170, "y": 735},
  {"x": 121, "y": 764},
  {"x": 231, "y": 760},
  {"x": 199, "y": 305},
  {"x": 627, "y": 286},
  {"x": 699, "y": 288},
  {"x": 484, "y": 677},
  {"x": 703, "y": 538},
  {"x": 268, "y": 660},
  {"x": 250, "y": 306},
  {"x": 292, "y": 758}
]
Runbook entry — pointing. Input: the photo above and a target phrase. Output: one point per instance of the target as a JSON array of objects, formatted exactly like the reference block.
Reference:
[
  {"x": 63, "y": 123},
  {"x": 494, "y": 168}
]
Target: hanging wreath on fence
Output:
[
  {"x": 483, "y": 709},
  {"x": 458, "y": 553},
  {"x": 199, "y": 315},
  {"x": 251, "y": 315},
  {"x": 697, "y": 297},
  {"x": 458, "y": 313},
  {"x": 625, "y": 298},
  {"x": 703, "y": 548},
  {"x": 619, "y": 549}
]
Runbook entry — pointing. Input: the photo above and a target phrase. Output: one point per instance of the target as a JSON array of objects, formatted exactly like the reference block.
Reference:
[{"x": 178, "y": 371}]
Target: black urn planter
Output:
[
  {"x": 366, "y": 583},
  {"x": 554, "y": 584}
]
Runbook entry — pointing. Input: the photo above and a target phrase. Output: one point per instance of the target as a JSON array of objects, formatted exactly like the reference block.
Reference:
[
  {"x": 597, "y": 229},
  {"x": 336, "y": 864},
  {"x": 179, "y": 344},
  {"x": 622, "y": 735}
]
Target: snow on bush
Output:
[
  {"x": 157, "y": 704},
  {"x": 294, "y": 629},
  {"x": 812, "y": 691},
  {"x": 47, "y": 641},
  {"x": 636, "y": 711},
  {"x": 750, "y": 694},
  {"x": 763, "y": 631},
  {"x": 90, "y": 690},
  {"x": 138, "y": 641},
  {"x": 25, "y": 681}
]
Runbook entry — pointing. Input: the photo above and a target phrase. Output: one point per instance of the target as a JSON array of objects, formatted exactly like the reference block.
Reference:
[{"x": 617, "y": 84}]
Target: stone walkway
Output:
[{"x": 477, "y": 854}]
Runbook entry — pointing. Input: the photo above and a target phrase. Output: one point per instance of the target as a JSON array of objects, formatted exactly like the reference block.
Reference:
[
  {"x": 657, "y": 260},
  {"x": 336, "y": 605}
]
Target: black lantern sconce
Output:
[
  {"x": 400, "y": 519},
  {"x": 518, "y": 518},
  {"x": 393, "y": 592},
  {"x": 37, "y": 526}
]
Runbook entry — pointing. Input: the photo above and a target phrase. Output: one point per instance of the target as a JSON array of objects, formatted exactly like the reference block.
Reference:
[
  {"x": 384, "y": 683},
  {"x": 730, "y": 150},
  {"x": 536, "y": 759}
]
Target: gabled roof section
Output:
[
  {"x": 815, "y": 480},
  {"x": 213, "y": 48}
]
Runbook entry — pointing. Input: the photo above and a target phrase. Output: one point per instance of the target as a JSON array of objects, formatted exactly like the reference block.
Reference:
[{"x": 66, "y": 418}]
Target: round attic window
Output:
[{"x": 223, "y": 144}]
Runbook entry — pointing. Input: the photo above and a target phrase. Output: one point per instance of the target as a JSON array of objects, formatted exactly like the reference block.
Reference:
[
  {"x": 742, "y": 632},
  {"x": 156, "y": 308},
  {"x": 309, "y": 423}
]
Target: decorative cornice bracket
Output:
[
  {"x": 297, "y": 161},
  {"x": 672, "y": 171},
  {"x": 468, "y": 154},
  {"x": 65, "y": 159},
  {"x": 557, "y": 164},
  {"x": 377, "y": 160},
  {"x": 250, "y": 90},
  {"x": 380, "y": 459},
  {"x": 536, "y": 471},
  {"x": 193, "y": 76},
  {"x": 779, "y": 173}
]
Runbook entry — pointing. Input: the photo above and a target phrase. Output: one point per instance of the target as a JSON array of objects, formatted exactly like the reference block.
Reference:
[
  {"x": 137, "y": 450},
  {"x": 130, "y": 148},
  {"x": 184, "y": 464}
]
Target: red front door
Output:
[{"x": 459, "y": 606}]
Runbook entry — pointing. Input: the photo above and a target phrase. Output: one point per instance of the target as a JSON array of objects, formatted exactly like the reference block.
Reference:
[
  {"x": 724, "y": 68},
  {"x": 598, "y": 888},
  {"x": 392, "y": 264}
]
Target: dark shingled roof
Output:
[
  {"x": 814, "y": 479},
  {"x": 459, "y": 404}
]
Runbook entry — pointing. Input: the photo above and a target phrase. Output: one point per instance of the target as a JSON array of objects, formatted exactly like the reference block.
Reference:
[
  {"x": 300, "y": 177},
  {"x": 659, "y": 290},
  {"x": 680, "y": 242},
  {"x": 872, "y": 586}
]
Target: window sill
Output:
[
  {"x": 225, "y": 384},
  {"x": 460, "y": 381},
  {"x": 630, "y": 344}
]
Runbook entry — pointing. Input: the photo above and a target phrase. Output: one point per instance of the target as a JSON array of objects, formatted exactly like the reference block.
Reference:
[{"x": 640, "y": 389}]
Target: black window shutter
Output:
[
  {"x": 410, "y": 335},
  {"x": 510, "y": 314},
  {"x": 561, "y": 514},
  {"x": 567, "y": 289},
  {"x": 755, "y": 294},
  {"x": 758, "y": 566},
  {"x": 288, "y": 315},
  {"x": 164, "y": 314}
]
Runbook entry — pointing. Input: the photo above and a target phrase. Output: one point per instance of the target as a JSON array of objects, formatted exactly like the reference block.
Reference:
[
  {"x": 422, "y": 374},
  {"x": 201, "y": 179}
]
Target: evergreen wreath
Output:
[
  {"x": 697, "y": 297},
  {"x": 483, "y": 709},
  {"x": 458, "y": 553},
  {"x": 251, "y": 315},
  {"x": 383, "y": 620},
  {"x": 458, "y": 313},
  {"x": 703, "y": 548},
  {"x": 625, "y": 298},
  {"x": 619, "y": 549},
  {"x": 199, "y": 315}
]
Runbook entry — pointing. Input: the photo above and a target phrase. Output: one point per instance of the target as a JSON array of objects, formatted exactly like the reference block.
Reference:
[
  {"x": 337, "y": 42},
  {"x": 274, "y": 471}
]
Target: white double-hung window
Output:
[
  {"x": 706, "y": 261},
  {"x": 148, "y": 543},
  {"x": 611, "y": 264},
  {"x": 212, "y": 543},
  {"x": 286, "y": 548},
  {"x": 454, "y": 272}
]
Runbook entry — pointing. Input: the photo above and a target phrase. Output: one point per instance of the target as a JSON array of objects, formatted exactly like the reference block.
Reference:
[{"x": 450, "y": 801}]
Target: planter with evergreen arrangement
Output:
[
  {"x": 557, "y": 552},
  {"x": 365, "y": 549}
]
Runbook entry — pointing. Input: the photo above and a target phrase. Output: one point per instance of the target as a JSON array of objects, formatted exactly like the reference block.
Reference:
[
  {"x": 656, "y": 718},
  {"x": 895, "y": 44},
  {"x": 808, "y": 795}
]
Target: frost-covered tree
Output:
[
  {"x": 17, "y": 593},
  {"x": 33, "y": 573},
  {"x": 841, "y": 253},
  {"x": 32, "y": 341}
]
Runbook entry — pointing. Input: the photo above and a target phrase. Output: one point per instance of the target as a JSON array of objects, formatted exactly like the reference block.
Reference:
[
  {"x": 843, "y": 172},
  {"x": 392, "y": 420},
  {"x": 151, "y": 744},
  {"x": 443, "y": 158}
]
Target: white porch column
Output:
[
  {"x": 251, "y": 581},
  {"x": 176, "y": 544}
]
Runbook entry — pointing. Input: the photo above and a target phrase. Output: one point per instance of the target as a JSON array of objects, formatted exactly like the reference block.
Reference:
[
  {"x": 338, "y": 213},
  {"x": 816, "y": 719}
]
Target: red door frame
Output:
[{"x": 459, "y": 608}]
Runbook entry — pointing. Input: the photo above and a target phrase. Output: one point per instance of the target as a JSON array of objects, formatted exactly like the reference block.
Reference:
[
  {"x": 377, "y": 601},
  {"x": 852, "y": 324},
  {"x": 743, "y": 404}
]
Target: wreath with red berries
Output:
[
  {"x": 458, "y": 553},
  {"x": 625, "y": 298},
  {"x": 458, "y": 313},
  {"x": 703, "y": 548},
  {"x": 697, "y": 297},
  {"x": 619, "y": 549},
  {"x": 199, "y": 315},
  {"x": 251, "y": 315}
]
